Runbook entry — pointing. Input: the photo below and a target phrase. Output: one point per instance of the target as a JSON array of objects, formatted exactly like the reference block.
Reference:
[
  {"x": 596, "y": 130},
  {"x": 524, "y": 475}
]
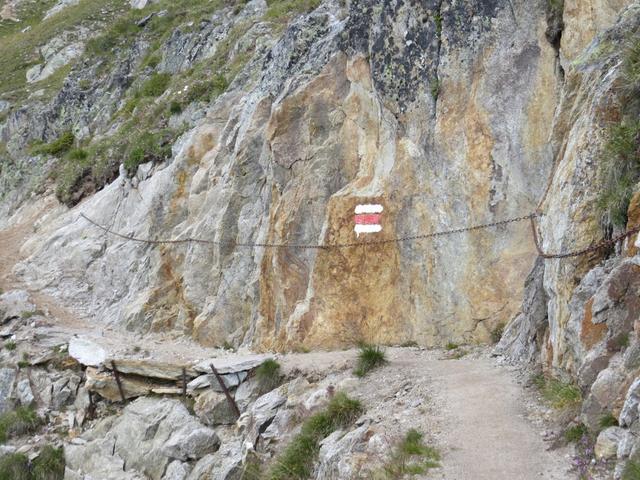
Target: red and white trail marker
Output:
[{"x": 367, "y": 219}]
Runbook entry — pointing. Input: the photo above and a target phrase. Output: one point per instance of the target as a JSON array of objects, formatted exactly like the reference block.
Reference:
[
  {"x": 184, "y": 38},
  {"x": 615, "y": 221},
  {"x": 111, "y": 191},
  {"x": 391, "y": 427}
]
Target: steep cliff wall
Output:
[
  {"x": 440, "y": 111},
  {"x": 447, "y": 113}
]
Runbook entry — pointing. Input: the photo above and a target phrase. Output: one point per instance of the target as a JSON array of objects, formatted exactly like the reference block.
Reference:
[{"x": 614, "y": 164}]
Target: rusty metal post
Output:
[
  {"x": 117, "y": 375},
  {"x": 230, "y": 399},
  {"x": 184, "y": 383}
]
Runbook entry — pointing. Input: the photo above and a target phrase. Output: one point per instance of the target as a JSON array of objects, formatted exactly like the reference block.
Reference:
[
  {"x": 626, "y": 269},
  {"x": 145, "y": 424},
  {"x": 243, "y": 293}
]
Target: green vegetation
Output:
[
  {"x": 279, "y": 9},
  {"x": 451, "y": 346},
  {"x": 59, "y": 146},
  {"x": 435, "y": 88},
  {"x": 411, "y": 457},
  {"x": 15, "y": 466},
  {"x": 156, "y": 85},
  {"x": 146, "y": 147},
  {"x": 496, "y": 333},
  {"x": 607, "y": 420},
  {"x": 10, "y": 345},
  {"x": 369, "y": 358},
  {"x": 17, "y": 52},
  {"x": 557, "y": 393},
  {"x": 409, "y": 343},
  {"x": 631, "y": 471},
  {"x": 296, "y": 461},
  {"x": 18, "y": 422},
  {"x": 576, "y": 433},
  {"x": 175, "y": 108},
  {"x": 268, "y": 375},
  {"x": 620, "y": 159},
  {"x": 49, "y": 465},
  {"x": 437, "y": 18}
]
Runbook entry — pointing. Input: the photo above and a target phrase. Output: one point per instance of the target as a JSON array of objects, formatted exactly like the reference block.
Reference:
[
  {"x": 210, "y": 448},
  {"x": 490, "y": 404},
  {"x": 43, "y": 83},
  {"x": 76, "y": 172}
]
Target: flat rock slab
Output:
[
  {"x": 146, "y": 368},
  {"x": 87, "y": 352},
  {"x": 231, "y": 380},
  {"x": 232, "y": 364}
]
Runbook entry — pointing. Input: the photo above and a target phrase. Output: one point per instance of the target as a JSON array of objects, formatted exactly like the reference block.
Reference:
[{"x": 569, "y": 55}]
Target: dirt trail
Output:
[{"x": 484, "y": 423}]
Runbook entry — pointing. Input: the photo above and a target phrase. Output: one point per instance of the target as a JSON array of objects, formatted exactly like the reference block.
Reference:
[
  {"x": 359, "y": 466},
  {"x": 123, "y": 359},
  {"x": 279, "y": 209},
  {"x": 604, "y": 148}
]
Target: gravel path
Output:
[{"x": 485, "y": 425}]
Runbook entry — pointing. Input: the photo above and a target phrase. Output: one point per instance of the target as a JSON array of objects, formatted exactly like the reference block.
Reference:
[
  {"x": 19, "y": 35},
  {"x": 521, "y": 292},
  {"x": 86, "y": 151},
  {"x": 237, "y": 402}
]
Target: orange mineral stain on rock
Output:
[{"x": 591, "y": 333}]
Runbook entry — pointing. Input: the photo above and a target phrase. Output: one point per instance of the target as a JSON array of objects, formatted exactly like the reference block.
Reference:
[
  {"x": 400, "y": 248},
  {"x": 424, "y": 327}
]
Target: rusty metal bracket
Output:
[{"x": 230, "y": 399}]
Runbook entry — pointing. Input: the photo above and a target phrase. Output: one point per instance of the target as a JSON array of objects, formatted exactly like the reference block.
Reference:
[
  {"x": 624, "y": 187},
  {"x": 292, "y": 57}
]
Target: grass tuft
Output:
[
  {"x": 49, "y": 465},
  {"x": 557, "y": 393},
  {"x": 10, "y": 345},
  {"x": 156, "y": 85},
  {"x": 369, "y": 358},
  {"x": 631, "y": 471},
  {"x": 281, "y": 9},
  {"x": 15, "y": 466},
  {"x": 607, "y": 420},
  {"x": 18, "y": 422},
  {"x": 496, "y": 333},
  {"x": 268, "y": 375},
  {"x": 296, "y": 461},
  {"x": 576, "y": 433},
  {"x": 411, "y": 457},
  {"x": 59, "y": 146},
  {"x": 451, "y": 346}
]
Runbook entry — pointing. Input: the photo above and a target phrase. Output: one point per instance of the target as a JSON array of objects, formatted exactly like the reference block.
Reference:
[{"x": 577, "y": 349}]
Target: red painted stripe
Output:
[{"x": 367, "y": 219}]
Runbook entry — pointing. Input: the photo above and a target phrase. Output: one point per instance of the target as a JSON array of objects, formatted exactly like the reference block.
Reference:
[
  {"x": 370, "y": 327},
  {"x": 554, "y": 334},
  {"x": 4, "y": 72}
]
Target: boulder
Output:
[
  {"x": 254, "y": 421},
  {"x": 232, "y": 363},
  {"x": 105, "y": 385},
  {"x": 629, "y": 412},
  {"x": 146, "y": 368},
  {"x": 14, "y": 304},
  {"x": 87, "y": 352},
  {"x": 24, "y": 392},
  {"x": 177, "y": 470},
  {"x": 231, "y": 380},
  {"x": 607, "y": 443},
  {"x": 64, "y": 390},
  {"x": 341, "y": 453},
  {"x": 7, "y": 382},
  {"x": 148, "y": 436},
  {"x": 58, "y": 7},
  {"x": 140, "y": 4},
  {"x": 212, "y": 408}
]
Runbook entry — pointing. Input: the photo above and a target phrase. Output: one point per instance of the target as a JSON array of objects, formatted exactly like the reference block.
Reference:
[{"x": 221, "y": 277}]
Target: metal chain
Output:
[
  {"x": 307, "y": 246},
  {"x": 584, "y": 251},
  {"x": 531, "y": 217}
]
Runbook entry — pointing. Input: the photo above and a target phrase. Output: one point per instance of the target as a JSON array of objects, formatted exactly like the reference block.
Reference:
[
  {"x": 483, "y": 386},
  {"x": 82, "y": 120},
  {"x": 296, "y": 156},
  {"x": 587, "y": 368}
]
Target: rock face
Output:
[
  {"x": 439, "y": 112},
  {"x": 149, "y": 436}
]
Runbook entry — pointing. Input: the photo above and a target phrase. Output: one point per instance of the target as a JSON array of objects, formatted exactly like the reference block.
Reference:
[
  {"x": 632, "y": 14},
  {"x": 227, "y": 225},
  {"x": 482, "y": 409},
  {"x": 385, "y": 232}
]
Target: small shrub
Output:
[
  {"x": 15, "y": 466},
  {"x": 49, "y": 465},
  {"x": 411, "y": 457},
  {"x": 557, "y": 393},
  {"x": 147, "y": 147},
  {"x": 451, "y": 346},
  {"x": 175, "y": 108},
  {"x": 369, "y": 358},
  {"x": 153, "y": 61},
  {"x": 631, "y": 471},
  {"x": 576, "y": 433},
  {"x": 409, "y": 344},
  {"x": 435, "y": 88},
  {"x": 156, "y": 85},
  {"x": 10, "y": 345},
  {"x": 59, "y": 146},
  {"x": 496, "y": 333},
  {"x": 18, "y": 422},
  {"x": 296, "y": 461},
  {"x": 607, "y": 420},
  {"x": 206, "y": 91},
  {"x": 268, "y": 375}
]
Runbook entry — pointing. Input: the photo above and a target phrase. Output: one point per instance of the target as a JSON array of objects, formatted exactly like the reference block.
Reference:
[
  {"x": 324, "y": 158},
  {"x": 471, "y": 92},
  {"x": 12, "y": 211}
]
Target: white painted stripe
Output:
[
  {"x": 368, "y": 209},
  {"x": 367, "y": 229}
]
